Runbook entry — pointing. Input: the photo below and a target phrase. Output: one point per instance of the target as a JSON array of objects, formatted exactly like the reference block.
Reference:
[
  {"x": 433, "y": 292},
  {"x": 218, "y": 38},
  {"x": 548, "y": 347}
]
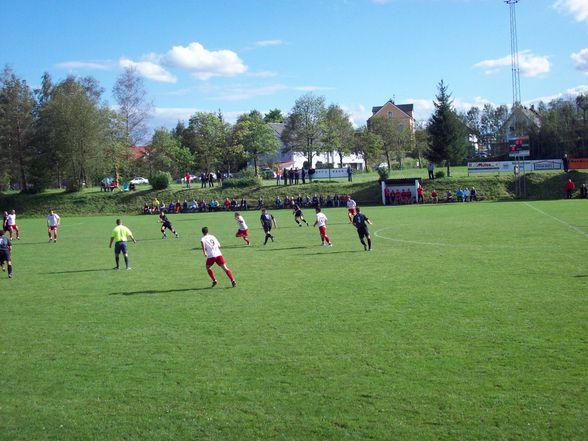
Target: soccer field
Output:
[{"x": 465, "y": 322}]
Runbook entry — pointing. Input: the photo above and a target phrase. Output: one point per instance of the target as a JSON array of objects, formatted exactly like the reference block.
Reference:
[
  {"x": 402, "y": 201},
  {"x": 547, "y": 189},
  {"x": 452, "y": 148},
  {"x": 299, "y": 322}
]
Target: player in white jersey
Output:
[
  {"x": 351, "y": 205},
  {"x": 11, "y": 224},
  {"x": 211, "y": 249},
  {"x": 53, "y": 221},
  {"x": 243, "y": 230},
  {"x": 321, "y": 221}
]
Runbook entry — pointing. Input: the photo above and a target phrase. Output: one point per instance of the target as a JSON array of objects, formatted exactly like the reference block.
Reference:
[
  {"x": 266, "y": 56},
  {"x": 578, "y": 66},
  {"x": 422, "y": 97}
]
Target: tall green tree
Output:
[
  {"x": 338, "y": 132},
  {"x": 397, "y": 139},
  {"x": 167, "y": 154},
  {"x": 304, "y": 127},
  {"x": 447, "y": 137},
  {"x": 368, "y": 144},
  {"x": 255, "y": 136},
  {"x": 274, "y": 116},
  {"x": 206, "y": 135},
  {"x": 78, "y": 124},
  {"x": 17, "y": 128}
]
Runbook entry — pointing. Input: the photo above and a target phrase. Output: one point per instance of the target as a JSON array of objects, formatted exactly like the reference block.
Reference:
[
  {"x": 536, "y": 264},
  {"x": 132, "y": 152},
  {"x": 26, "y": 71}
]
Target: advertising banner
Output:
[
  {"x": 577, "y": 163},
  {"x": 509, "y": 166},
  {"x": 330, "y": 173}
]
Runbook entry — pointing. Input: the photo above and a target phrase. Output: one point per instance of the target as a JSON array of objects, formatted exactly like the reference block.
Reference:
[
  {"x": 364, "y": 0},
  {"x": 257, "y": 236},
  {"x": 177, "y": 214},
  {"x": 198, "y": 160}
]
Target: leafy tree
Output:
[
  {"x": 255, "y": 137},
  {"x": 396, "y": 138},
  {"x": 134, "y": 109},
  {"x": 368, "y": 144},
  {"x": 338, "y": 132},
  {"x": 17, "y": 126},
  {"x": 304, "y": 127},
  {"x": 167, "y": 153},
  {"x": 77, "y": 129},
  {"x": 447, "y": 137},
  {"x": 274, "y": 116},
  {"x": 206, "y": 136}
]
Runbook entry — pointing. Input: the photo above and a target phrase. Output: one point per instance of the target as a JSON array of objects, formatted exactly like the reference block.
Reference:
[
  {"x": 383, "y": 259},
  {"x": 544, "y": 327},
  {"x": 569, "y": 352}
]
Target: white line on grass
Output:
[
  {"x": 416, "y": 242},
  {"x": 573, "y": 227}
]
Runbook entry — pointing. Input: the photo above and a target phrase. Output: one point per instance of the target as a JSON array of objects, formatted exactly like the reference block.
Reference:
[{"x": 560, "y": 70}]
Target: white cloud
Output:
[
  {"x": 577, "y": 8},
  {"x": 202, "y": 63},
  {"x": 84, "y": 65},
  {"x": 358, "y": 114},
  {"x": 580, "y": 60},
  {"x": 149, "y": 69},
  {"x": 264, "y": 43},
  {"x": 530, "y": 65},
  {"x": 572, "y": 92}
]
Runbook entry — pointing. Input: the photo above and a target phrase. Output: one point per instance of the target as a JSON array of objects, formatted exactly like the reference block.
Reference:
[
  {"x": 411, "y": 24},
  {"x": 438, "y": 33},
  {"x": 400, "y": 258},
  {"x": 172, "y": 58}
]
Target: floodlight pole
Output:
[{"x": 514, "y": 53}]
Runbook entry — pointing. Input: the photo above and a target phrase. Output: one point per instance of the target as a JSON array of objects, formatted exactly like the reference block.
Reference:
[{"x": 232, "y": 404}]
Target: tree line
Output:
[{"x": 65, "y": 134}]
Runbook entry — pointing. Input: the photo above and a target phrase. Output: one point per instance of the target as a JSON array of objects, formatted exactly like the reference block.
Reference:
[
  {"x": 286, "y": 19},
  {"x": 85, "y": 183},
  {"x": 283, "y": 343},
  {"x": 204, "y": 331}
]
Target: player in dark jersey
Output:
[
  {"x": 5, "y": 250},
  {"x": 266, "y": 223},
  {"x": 165, "y": 223},
  {"x": 298, "y": 216},
  {"x": 361, "y": 221}
]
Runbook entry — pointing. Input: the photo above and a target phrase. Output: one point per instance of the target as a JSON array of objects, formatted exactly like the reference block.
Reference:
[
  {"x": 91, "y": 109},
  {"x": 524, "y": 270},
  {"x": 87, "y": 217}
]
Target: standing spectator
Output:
[
  {"x": 219, "y": 178},
  {"x": 420, "y": 195},
  {"x": 570, "y": 187},
  {"x": 431, "y": 169},
  {"x": 291, "y": 176},
  {"x": 565, "y": 162},
  {"x": 211, "y": 179},
  {"x": 243, "y": 229},
  {"x": 434, "y": 197},
  {"x": 120, "y": 236},
  {"x": 5, "y": 251},
  {"x": 296, "y": 176},
  {"x": 203, "y": 180},
  {"x": 227, "y": 203},
  {"x": 211, "y": 249},
  {"x": 187, "y": 177},
  {"x": 285, "y": 175},
  {"x": 349, "y": 173},
  {"x": 278, "y": 176},
  {"x": 303, "y": 175},
  {"x": 583, "y": 191},
  {"x": 53, "y": 221}
]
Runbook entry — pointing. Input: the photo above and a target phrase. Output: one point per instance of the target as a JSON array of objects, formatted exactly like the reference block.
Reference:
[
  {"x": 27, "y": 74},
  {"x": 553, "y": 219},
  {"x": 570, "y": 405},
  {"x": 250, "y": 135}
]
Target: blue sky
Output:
[{"x": 262, "y": 54}]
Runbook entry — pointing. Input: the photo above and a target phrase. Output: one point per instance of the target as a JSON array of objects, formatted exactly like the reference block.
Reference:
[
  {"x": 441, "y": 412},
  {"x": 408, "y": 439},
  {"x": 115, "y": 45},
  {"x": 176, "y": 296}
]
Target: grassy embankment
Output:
[{"x": 365, "y": 189}]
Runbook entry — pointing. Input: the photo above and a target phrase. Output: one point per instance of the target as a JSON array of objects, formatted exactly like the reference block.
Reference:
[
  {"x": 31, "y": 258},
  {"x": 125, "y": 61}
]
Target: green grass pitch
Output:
[{"x": 465, "y": 322}]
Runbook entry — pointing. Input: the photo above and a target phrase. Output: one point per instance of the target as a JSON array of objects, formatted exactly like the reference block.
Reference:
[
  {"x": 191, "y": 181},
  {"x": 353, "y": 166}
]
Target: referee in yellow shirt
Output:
[{"x": 120, "y": 237}]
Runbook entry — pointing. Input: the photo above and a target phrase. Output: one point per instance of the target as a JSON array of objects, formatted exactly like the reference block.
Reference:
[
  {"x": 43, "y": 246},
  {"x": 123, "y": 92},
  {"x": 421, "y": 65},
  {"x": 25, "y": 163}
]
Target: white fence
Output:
[{"x": 509, "y": 166}]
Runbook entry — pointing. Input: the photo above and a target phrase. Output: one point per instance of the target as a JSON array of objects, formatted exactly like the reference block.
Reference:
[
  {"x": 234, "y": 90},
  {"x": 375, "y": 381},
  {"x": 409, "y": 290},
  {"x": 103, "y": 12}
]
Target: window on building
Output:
[{"x": 389, "y": 114}]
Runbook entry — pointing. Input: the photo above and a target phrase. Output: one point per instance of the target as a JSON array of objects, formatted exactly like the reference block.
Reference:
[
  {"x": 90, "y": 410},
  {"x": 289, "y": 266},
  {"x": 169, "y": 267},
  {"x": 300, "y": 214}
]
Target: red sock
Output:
[
  {"x": 327, "y": 239},
  {"x": 211, "y": 274},
  {"x": 230, "y": 274}
]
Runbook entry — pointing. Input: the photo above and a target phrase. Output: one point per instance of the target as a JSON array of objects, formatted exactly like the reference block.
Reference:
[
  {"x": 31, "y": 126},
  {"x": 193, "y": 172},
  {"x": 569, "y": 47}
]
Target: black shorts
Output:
[
  {"x": 363, "y": 232},
  {"x": 267, "y": 228},
  {"x": 167, "y": 225},
  {"x": 4, "y": 256},
  {"x": 298, "y": 213}
]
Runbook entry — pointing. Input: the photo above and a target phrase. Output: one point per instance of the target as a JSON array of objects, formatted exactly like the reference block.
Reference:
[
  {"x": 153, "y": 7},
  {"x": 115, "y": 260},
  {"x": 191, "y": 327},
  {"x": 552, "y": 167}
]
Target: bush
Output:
[
  {"x": 439, "y": 174},
  {"x": 383, "y": 172},
  {"x": 160, "y": 180},
  {"x": 245, "y": 181}
]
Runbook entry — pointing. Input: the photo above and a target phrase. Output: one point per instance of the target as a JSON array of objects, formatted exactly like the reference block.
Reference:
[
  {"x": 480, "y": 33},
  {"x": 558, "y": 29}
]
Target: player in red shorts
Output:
[
  {"x": 11, "y": 223},
  {"x": 350, "y": 208},
  {"x": 243, "y": 230},
  {"x": 321, "y": 221},
  {"x": 53, "y": 221},
  {"x": 211, "y": 249}
]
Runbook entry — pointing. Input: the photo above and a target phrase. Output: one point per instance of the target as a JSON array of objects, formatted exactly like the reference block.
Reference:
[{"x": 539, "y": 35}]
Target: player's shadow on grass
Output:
[
  {"x": 282, "y": 249},
  {"x": 80, "y": 271},
  {"x": 326, "y": 253},
  {"x": 158, "y": 291}
]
